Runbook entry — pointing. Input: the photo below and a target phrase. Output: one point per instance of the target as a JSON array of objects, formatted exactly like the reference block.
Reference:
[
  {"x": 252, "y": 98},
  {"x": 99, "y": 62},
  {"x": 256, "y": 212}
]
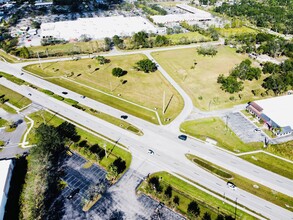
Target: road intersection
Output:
[{"x": 169, "y": 151}]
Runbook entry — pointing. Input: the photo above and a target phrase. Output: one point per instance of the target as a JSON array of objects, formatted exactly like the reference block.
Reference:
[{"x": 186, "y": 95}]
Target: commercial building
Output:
[
  {"x": 6, "y": 168},
  {"x": 276, "y": 113},
  {"x": 193, "y": 14},
  {"x": 97, "y": 28}
]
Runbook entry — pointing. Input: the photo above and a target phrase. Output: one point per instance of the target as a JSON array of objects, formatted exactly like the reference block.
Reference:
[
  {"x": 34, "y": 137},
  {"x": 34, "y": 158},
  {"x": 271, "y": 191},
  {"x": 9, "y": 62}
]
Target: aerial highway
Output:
[{"x": 169, "y": 150}]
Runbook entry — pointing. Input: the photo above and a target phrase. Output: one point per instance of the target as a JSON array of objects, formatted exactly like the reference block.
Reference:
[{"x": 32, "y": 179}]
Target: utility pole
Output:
[
  {"x": 104, "y": 145},
  {"x": 163, "y": 110},
  {"x": 39, "y": 61}
]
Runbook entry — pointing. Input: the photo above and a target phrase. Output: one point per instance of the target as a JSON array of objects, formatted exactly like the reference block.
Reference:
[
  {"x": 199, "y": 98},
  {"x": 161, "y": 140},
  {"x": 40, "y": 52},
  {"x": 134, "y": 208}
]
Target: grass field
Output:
[
  {"x": 249, "y": 186},
  {"x": 200, "y": 81},
  {"x": 271, "y": 163},
  {"x": 3, "y": 122},
  {"x": 145, "y": 89},
  {"x": 14, "y": 98},
  {"x": 190, "y": 36},
  {"x": 114, "y": 151},
  {"x": 228, "y": 32},
  {"x": 8, "y": 57},
  {"x": 187, "y": 193},
  {"x": 77, "y": 47},
  {"x": 216, "y": 129},
  {"x": 284, "y": 150}
]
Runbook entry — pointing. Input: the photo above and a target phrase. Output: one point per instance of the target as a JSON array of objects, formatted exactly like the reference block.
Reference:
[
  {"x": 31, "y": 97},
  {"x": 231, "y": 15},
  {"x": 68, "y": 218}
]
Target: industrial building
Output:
[
  {"x": 275, "y": 112},
  {"x": 6, "y": 168},
  {"x": 97, "y": 28}
]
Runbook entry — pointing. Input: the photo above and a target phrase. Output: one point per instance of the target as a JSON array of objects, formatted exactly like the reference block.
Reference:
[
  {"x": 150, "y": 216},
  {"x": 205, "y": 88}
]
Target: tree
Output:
[
  {"x": 193, "y": 209},
  {"x": 230, "y": 84},
  {"x": 117, "y": 41},
  {"x": 146, "y": 65},
  {"x": 118, "y": 72},
  {"x": 168, "y": 192},
  {"x": 67, "y": 130},
  {"x": 176, "y": 200},
  {"x": 161, "y": 40},
  {"x": 210, "y": 51},
  {"x": 140, "y": 39},
  {"x": 206, "y": 216},
  {"x": 102, "y": 60}
]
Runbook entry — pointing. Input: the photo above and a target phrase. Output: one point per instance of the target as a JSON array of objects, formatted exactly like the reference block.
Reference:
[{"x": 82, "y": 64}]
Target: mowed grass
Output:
[
  {"x": 216, "y": 129},
  {"x": 78, "y": 47},
  {"x": 271, "y": 163},
  {"x": 14, "y": 98},
  {"x": 145, "y": 89},
  {"x": 228, "y": 32},
  {"x": 188, "y": 193},
  {"x": 284, "y": 149},
  {"x": 113, "y": 150},
  {"x": 190, "y": 36},
  {"x": 8, "y": 57},
  {"x": 200, "y": 80},
  {"x": 248, "y": 185}
]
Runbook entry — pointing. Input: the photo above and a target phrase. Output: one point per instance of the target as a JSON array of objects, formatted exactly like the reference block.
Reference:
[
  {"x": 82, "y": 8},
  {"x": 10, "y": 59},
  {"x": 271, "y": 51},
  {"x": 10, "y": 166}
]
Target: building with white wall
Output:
[
  {"x": 6, "y": 168},
  {"x": 97, "y": 28}
]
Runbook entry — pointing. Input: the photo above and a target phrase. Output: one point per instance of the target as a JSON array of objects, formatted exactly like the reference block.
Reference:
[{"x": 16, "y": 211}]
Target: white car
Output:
[{"x": 231, "y": 185}]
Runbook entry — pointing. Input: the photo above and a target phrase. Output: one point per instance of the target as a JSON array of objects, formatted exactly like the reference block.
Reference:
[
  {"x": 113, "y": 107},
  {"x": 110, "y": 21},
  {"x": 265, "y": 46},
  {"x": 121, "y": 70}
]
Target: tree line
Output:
[{"x": 272, "y": 14}]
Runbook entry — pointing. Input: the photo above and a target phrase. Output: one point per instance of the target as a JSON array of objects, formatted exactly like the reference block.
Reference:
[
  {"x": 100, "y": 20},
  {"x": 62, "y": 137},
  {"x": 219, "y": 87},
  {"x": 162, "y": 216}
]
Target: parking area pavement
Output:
[{"x": 243, "y": 128}]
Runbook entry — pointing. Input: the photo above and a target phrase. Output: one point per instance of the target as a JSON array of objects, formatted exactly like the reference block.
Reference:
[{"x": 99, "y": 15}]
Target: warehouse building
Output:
[{"x": 97, "y": 28}]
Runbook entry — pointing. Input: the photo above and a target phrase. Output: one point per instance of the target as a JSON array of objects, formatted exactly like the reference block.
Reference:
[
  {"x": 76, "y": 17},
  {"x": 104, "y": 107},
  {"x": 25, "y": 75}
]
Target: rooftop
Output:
[
  {"x": 4, "y": 170},
  {"x": 279, "y": 109}
]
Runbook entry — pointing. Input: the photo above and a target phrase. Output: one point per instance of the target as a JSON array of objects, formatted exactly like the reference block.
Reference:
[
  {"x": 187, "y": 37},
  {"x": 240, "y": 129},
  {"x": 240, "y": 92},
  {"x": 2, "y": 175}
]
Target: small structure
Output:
[
  {"x": 6, "y": 168},
  {"x": 276, "y": 113}
]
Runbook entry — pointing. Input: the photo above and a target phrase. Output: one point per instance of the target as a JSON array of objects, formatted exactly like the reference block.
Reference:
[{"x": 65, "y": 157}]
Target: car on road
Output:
[
  {"x": 257, "y": 130},
  {"x": 124, "y": 116},
  {"x": 83, "y": 97},
  {"x": 21, "y": 73},
  {"x": 30, "y": 94},
  {"x": 182, "y": 137},
  {"x": 65, "y": 93},
  {"x": 231, "y": 185},
  {"x": 151, "y": 152},
  {"x": 73, "y": 193}
]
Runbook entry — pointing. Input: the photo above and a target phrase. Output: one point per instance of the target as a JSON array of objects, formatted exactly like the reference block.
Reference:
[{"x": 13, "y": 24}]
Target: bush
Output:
[
  {"x": 58, "y": 97},
  {"x": 71, "y": 101},
  {"x": 48, "y": 92}
]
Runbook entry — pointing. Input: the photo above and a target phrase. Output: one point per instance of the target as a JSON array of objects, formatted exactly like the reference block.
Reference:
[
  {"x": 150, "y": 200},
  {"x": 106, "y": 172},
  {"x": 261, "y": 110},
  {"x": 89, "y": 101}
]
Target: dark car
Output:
[
  {"x": 124, "y": 116},
  {"x": 182, "y": 137},
  {"x": 65, "y": 93},
  {"x": 73, "y": 193}
]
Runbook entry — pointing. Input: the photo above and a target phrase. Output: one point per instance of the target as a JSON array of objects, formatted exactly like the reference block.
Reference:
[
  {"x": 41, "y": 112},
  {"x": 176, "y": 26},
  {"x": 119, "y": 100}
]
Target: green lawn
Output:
[
  {"x": 3, "y": 122},
  {"x": 113, "y": 150},
  {"x": 62, "y": 49},
  {"x": 271, "y": 163},
  {"x": 186, "y": 194},
  {"x": 145, "y": 89},
  {"x": 216, "y": 129},
  {"x": 12, "y": 78},
  {"x": 190, "y": 36},
  {"x": 8, "y": 108},
  {"x": 7, "y": 57},
  {"x": 284, "y": 150},
  {"x": 248, "y": 185},
  {"x": 200, "y": 80},
  {"x": 228, "y": 32},
  {"x": 14, "y": 98}
]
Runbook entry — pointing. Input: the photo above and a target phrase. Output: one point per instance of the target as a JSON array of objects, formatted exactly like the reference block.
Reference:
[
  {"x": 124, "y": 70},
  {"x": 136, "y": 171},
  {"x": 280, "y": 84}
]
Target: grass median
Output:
[{"x": 248, "y": 185}]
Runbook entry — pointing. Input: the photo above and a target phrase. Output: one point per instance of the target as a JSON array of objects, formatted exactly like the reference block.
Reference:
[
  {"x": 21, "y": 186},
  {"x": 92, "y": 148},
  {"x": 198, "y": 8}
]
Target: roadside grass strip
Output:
[
  {"x": 187, "y": 193},
  {"x": 248, "y": 185},
  {"x": 14, "y": 98},
  {"x": 216, "y": 129},
  {"x": 271, "y": 163},
  {"x": 113, "y": 149}
]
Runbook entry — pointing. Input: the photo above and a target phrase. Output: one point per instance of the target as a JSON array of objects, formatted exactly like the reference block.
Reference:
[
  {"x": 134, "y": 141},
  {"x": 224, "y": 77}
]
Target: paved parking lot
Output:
[
  {"x": 119, "y": 202},
  {"x": 243, "y": 128}
]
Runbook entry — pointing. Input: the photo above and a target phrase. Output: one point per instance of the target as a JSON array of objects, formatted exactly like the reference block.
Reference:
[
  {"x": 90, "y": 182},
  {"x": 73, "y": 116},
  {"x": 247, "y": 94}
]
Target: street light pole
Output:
[{"x": 235, "y": 208}]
